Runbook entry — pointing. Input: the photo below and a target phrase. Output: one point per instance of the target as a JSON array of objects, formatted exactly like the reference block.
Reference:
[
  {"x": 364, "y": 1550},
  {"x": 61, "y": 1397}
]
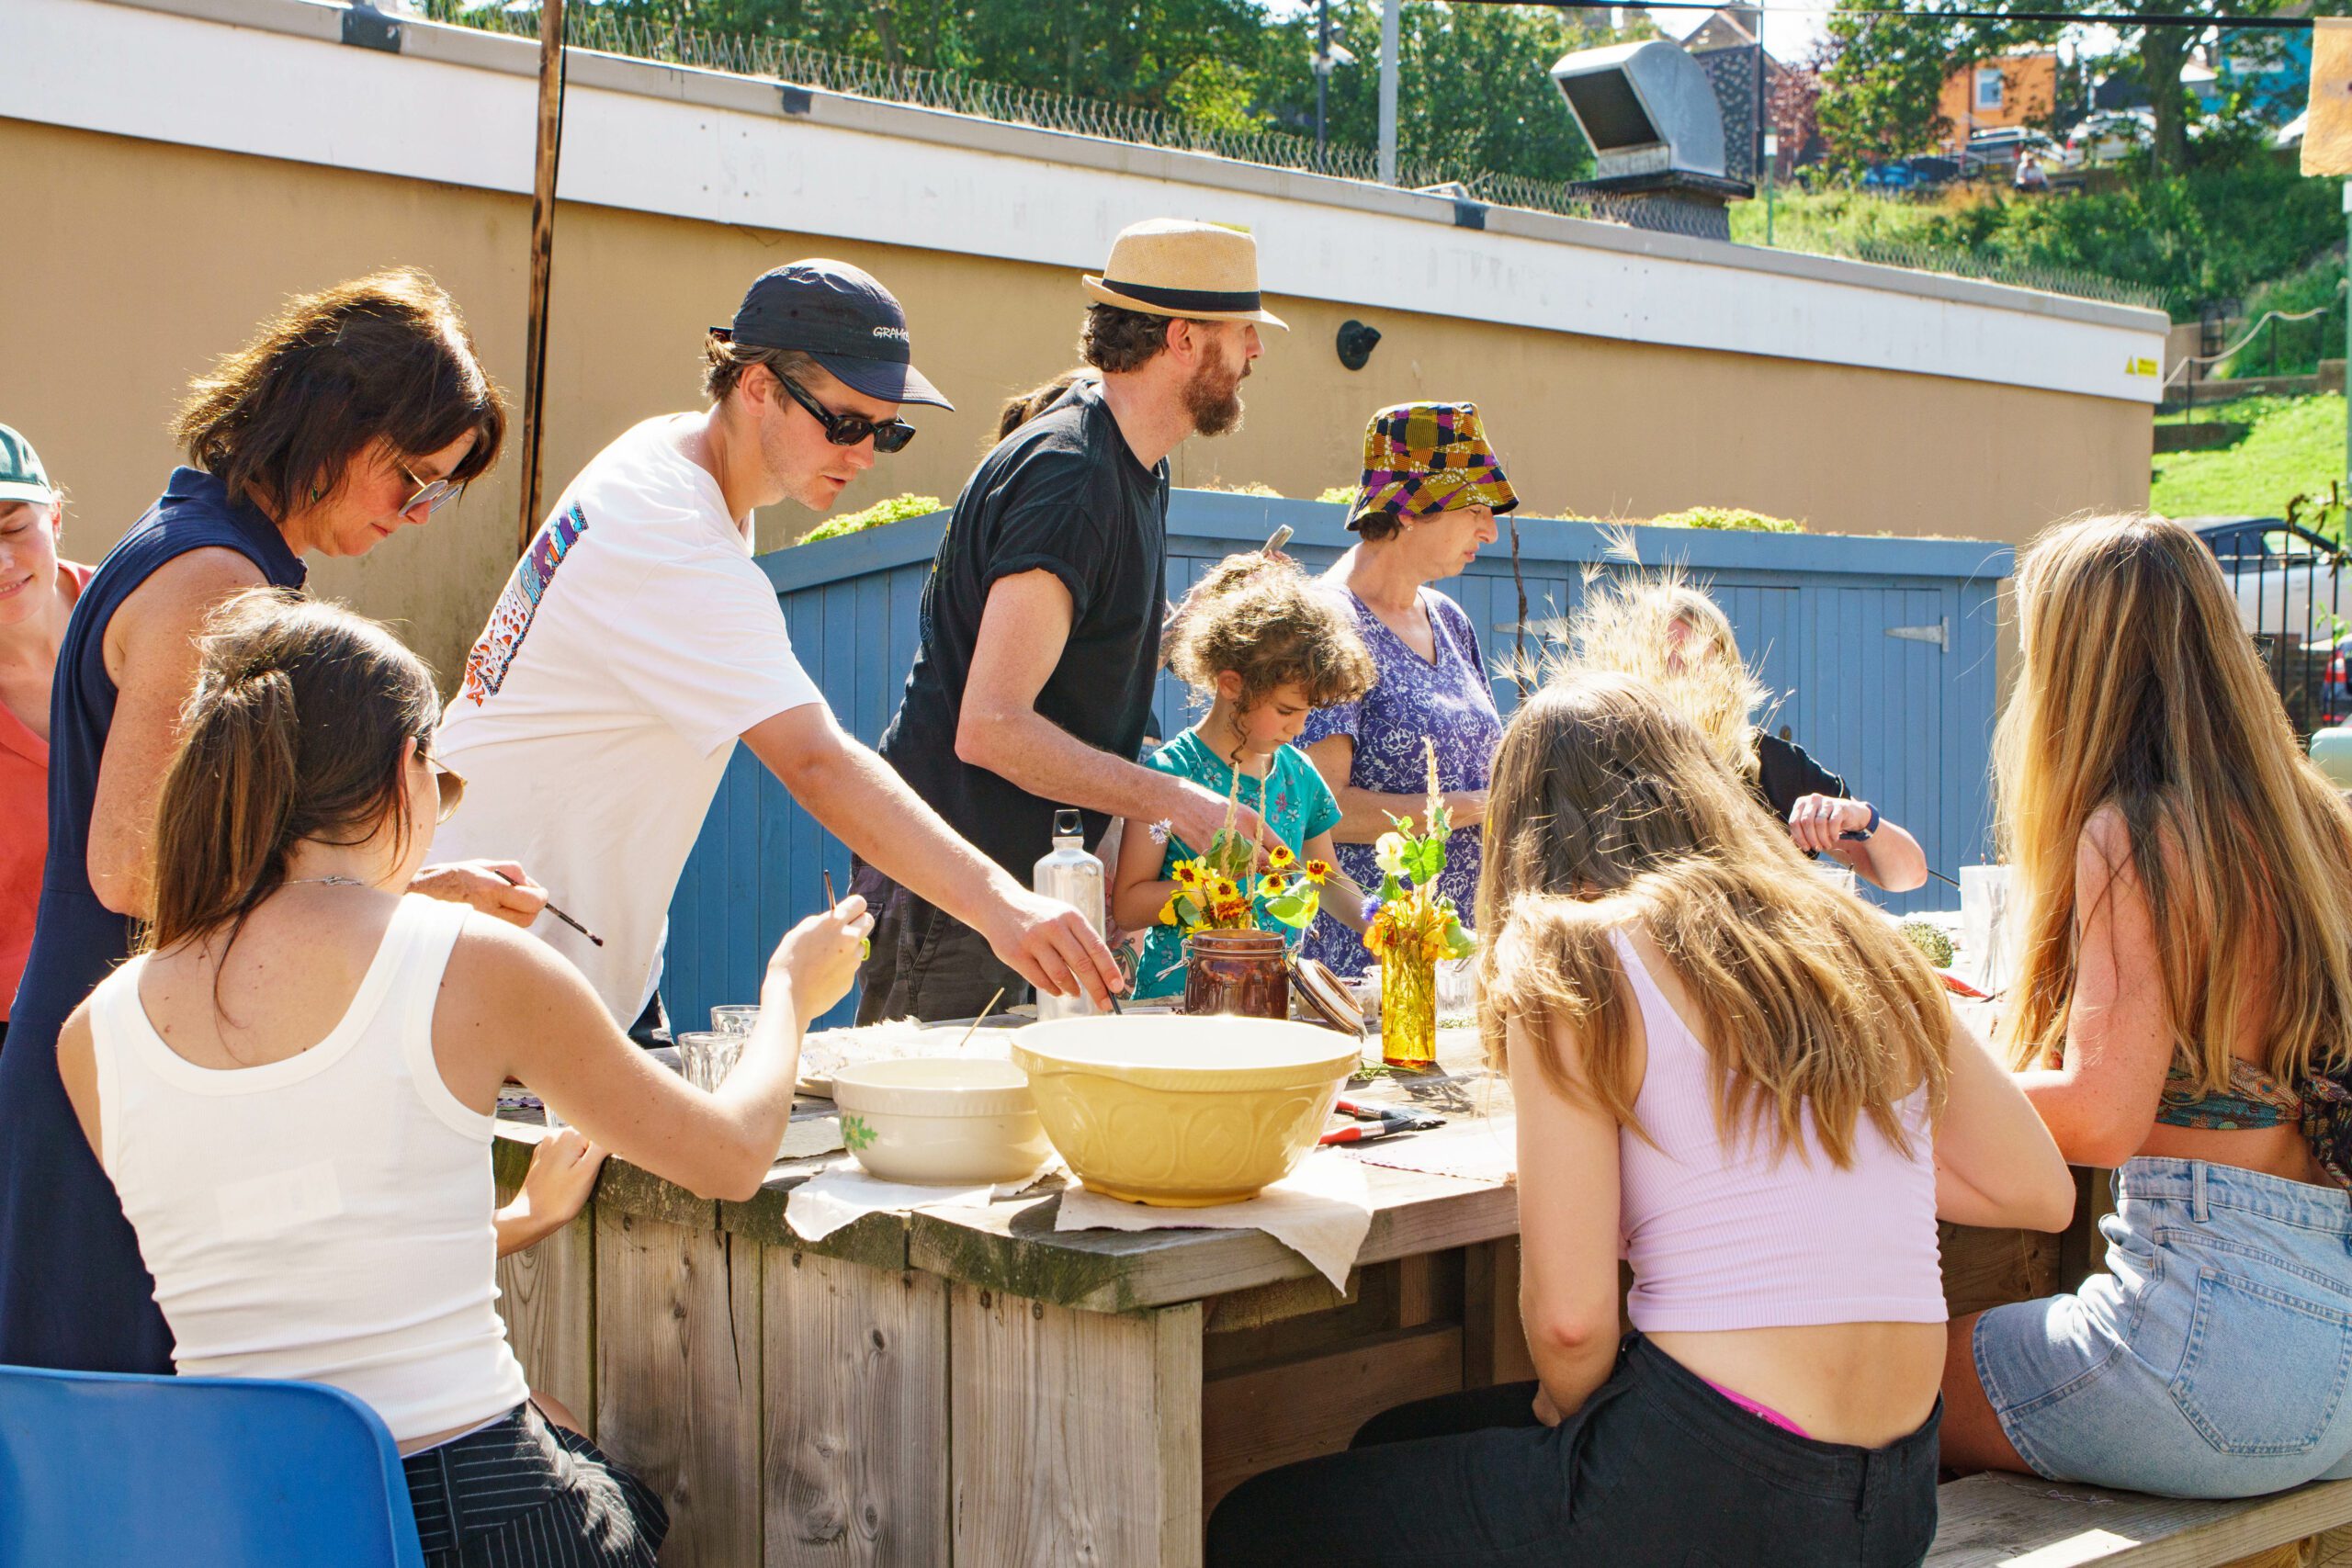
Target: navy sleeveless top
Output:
[{"x": 73, "y": 1293}]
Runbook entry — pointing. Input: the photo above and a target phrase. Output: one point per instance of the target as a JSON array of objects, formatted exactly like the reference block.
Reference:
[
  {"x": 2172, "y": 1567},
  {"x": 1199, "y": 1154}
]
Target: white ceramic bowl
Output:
[
  {"x": 942, "y": 1121},
  {"x": 1184, "y": 1112}
]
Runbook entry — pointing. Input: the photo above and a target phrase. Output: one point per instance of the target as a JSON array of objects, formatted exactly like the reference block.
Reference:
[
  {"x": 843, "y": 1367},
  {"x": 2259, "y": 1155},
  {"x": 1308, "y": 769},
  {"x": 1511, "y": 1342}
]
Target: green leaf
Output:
[{"x": 856, "y": 1135}]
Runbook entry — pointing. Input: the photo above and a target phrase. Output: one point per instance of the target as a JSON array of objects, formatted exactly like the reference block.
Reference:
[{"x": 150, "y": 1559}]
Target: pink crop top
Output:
[{"x": 1744, "y": 1238}]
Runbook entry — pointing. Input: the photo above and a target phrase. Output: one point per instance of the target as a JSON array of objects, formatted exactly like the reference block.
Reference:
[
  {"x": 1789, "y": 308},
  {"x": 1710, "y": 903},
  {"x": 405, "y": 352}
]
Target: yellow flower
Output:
[
  {"x": 1272, "y": 887},
  {"x": 1280, "y": 858},
  {"x": 1167, "y": 911},
  {"x": 1376, "y": 941},
  {"x": 1318, "y": 870},
  {"x": 1224, "y": 891},
  {"x": 1432, "y": 947},
  {"x": 1188, "y": 875}
]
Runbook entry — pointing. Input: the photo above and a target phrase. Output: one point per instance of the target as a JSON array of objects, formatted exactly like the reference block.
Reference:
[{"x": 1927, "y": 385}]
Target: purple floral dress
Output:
[{"x": 1448, "y": 700}]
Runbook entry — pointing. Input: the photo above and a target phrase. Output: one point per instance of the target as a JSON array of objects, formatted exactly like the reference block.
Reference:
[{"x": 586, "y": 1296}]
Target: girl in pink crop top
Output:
[{"x": 1744, "y": 1081}]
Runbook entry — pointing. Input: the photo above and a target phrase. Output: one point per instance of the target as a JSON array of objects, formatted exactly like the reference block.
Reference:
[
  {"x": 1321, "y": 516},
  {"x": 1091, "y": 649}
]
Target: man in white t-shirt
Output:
[{"x": 636, "y": 641}]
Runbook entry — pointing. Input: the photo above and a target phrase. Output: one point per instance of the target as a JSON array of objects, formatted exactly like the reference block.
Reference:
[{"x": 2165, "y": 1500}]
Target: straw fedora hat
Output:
[{"x": 1172, "y": 266}]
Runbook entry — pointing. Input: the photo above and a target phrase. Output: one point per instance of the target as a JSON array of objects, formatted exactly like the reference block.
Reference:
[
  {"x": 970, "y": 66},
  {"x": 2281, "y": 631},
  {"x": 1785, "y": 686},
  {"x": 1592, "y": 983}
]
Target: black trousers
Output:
[
  {"x": 1657, "y": 1470},
  {"x": 926, "y": 963}
]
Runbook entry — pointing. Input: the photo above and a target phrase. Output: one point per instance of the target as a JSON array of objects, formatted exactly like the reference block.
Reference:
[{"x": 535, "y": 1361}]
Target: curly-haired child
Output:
[{"x": 1264, "y": 649}]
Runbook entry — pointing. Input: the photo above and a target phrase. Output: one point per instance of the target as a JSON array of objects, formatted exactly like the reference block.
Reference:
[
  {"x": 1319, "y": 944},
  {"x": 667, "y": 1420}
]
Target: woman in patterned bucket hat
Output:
[
  {"x": 1424, "y": 457},
  {"x": 1432, "y": 488}
]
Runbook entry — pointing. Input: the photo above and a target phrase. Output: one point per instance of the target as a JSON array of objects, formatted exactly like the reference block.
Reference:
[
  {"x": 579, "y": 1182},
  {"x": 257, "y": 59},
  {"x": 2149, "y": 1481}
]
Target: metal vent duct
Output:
[
  {"x": 1657, "y": 132},
  {"x": 1647, "y": 107}
]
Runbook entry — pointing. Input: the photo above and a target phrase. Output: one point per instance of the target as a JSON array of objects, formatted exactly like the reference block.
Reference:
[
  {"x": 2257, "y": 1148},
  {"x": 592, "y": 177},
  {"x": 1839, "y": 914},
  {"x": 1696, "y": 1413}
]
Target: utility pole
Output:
[
  {"x": 1389, "y": 66},
  {"x": 1322, "y": 72},
  {"x": 534, "y": 344}
]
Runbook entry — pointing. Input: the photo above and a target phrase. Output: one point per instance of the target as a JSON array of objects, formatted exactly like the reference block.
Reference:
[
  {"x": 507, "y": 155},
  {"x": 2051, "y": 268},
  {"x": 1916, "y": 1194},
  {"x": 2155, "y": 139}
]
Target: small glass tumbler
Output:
[
  {"x": 706, "y": 1058},
  {"x": 735, "y": 1020}
]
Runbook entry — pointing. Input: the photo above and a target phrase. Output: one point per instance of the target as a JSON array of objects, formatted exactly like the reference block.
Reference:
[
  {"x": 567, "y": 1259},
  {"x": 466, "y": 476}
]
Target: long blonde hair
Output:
[
  {"x": 1627, "y": 624},
  {"x": 1609, "y": 808},
  {"x": 2141, "y": 691}
]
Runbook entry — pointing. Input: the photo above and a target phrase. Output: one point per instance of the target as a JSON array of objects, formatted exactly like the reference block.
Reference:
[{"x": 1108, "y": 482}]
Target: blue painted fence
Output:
[{"x": 1879, "y": 649}]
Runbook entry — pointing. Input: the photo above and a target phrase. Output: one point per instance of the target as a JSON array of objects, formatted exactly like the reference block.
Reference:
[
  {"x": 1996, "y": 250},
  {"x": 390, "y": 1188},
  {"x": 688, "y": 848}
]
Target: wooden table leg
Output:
[
  {"x": 1076, "y": 1435},
  {"x": 1494, "y": 1343}
]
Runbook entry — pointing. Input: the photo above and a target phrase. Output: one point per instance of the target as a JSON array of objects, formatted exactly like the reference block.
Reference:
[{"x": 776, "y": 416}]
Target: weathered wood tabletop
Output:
[{"x": 970, "y": 1387}]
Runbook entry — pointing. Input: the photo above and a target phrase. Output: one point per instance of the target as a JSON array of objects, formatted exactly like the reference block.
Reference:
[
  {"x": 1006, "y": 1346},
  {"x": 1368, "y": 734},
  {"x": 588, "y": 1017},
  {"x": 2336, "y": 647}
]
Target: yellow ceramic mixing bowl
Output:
[{"x": 1182, "y": 1111}]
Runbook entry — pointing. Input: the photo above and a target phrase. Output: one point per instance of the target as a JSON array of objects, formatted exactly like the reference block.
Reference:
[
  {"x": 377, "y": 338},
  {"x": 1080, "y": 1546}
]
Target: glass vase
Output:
[{"x": 1409, "y": 1010}]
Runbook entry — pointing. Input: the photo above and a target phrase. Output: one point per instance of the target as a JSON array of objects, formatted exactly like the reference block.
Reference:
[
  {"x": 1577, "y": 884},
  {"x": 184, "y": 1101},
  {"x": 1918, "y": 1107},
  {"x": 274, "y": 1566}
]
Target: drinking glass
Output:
[
  {"x": 1984, "y": 932},
  {"x": 706, "y": 1057},
  {"x": 736, "y": 1019}
]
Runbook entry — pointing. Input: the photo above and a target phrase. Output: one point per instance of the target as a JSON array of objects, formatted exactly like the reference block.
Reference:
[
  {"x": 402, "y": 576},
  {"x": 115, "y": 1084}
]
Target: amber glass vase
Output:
[
  {"x": 1408, "y": 1010},
  {"x": 1237, "y": 972}
]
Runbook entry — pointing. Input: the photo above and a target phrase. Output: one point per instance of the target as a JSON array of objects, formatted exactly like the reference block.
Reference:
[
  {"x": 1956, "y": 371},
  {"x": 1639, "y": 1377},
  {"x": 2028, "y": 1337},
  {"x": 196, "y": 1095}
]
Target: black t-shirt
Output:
[
  {"x": 1785, "y": 774},
  {"x": 1066, "y": 494}
]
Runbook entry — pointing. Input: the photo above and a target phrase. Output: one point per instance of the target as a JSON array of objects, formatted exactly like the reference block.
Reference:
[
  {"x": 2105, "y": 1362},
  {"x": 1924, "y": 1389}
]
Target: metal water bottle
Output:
[{"x": 1075, "y": 877}]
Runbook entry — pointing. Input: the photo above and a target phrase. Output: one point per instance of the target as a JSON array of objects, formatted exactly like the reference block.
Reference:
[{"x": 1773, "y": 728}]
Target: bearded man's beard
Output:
[{"x": 1213, "y": 398}]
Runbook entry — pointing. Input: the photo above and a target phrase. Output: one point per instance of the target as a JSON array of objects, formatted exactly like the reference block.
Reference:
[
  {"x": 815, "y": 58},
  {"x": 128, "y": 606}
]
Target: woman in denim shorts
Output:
[{"x": 2182, "y": 1012}]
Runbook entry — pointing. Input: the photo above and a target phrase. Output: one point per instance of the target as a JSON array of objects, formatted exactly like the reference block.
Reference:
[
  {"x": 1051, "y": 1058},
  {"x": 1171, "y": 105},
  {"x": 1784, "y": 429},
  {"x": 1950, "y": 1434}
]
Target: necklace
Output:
[{"x": 335, "y": 881}]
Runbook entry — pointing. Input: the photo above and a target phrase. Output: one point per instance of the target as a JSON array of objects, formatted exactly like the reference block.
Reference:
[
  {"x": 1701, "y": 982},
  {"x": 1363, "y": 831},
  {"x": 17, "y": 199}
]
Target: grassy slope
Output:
[{"x": 2295, "y": 447}]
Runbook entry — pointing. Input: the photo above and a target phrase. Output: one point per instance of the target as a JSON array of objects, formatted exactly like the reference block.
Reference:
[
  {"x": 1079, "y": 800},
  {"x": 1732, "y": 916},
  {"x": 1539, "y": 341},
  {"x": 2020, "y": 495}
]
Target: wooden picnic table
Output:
[{"x": 968, "y": 1387}]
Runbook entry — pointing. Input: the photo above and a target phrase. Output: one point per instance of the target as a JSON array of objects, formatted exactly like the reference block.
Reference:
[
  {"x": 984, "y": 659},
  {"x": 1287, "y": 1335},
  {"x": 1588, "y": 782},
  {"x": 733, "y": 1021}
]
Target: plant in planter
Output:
[{"x": 1411, "y": 925}]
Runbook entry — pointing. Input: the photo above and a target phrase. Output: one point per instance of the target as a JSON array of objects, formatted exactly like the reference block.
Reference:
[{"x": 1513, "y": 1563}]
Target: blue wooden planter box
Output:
[{"x": 1881, "y": 650}]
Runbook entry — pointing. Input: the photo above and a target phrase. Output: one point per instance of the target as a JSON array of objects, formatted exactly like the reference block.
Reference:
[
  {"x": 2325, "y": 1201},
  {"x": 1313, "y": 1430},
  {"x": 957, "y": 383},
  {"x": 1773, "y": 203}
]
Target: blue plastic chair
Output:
[{"x": 98, "y": 1469}]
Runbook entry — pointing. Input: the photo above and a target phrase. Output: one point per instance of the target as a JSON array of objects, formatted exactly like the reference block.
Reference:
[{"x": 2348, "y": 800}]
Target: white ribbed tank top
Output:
[{"x": 326, "y": 1217}]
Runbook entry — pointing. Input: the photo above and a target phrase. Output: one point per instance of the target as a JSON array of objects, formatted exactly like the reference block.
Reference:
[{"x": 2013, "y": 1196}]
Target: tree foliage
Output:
[
  {"x": 1475, "y": 90},
  {"x": 1881, "y": 74}
]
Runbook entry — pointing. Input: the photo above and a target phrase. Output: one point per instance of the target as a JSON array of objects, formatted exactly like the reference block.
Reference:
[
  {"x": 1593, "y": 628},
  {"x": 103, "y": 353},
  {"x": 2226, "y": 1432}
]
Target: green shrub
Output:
[
  {"x": 1338, "y": 495},
  {"x": 1732, "y": 517},
  {"x": 895, "y": 510}
]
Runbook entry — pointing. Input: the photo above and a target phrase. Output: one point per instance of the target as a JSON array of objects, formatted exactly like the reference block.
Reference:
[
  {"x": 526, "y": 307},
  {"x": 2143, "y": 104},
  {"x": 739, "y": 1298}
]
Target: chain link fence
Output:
[{"x": 781, "y": 60}]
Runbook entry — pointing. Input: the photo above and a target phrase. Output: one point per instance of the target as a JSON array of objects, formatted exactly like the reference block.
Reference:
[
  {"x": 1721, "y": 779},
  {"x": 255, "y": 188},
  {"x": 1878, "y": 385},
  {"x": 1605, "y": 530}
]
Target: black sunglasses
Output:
[{"x": 849, "y": 429}]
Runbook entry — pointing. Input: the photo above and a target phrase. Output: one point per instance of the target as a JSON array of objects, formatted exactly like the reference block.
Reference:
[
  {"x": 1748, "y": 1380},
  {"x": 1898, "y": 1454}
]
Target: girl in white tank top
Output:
[{"x": 292, "y": 1091}]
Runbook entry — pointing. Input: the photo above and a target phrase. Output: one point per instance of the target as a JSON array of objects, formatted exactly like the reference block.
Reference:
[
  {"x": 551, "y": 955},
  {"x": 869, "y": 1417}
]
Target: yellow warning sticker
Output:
[{"x": 2142, "y": 366}]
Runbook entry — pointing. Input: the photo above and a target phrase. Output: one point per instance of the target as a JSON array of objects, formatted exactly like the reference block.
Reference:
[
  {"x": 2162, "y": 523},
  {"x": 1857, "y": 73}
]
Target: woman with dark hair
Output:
[
  {"x": 357, "y": 412},
  {"x": 305, "y": 1039}
]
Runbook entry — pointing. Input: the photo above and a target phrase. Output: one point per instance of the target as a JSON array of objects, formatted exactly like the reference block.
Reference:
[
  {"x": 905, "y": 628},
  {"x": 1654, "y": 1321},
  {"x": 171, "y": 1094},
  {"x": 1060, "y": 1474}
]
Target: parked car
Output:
[
  {"x": 2288, "y": 580},
  {"x": 1995, "y": 153},
  {"x": 2109, "y": 136}
]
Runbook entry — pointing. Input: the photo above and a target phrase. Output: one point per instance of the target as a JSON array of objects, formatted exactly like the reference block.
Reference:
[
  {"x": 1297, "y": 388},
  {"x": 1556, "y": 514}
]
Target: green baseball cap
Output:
[{"x": 21, "y": 475}]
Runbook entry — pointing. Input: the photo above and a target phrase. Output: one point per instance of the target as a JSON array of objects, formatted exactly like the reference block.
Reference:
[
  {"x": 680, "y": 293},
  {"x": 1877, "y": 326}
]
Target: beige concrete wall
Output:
[{"x": 145, "y": 260}]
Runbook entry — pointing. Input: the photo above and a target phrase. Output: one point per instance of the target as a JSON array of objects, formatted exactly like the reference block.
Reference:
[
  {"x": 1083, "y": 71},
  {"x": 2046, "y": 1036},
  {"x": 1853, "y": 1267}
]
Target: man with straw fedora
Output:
[{"x": 1031, "y": 687}]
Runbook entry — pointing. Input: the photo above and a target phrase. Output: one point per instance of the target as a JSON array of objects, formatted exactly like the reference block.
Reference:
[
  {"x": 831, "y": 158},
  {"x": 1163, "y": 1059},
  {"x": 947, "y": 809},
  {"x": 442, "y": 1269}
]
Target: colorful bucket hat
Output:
[{"x": 1421, "y": 458}]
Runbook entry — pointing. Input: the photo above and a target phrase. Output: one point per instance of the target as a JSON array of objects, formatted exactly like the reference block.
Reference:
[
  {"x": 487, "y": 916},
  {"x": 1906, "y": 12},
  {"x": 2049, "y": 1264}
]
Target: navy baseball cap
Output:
[{"x": 841, "y": 317}]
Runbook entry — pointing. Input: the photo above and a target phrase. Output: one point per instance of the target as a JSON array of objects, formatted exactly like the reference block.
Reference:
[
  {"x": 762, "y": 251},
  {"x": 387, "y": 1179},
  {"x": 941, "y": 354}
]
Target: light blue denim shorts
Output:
[{"x": 2209, "y": 1361}]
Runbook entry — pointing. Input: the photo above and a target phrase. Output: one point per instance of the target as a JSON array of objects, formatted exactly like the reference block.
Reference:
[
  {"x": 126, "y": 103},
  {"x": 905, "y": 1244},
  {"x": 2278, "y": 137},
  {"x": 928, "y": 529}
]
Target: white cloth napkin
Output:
[
  {"x": 1485, "y": 1148},
  {"x": 843, "y": 1193},
  {"x": 1320, "y": 1210}
]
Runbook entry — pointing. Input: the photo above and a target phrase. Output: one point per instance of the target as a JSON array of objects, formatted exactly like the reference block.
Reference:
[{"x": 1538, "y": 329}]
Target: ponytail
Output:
[{"x": 296, "y": 731}]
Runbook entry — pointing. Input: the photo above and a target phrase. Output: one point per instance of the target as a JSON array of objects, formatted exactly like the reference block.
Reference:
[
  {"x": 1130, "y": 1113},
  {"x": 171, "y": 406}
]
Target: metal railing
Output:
[
  {"x": 2294, "y": 605},
  {"x": 784, "y": 61}
]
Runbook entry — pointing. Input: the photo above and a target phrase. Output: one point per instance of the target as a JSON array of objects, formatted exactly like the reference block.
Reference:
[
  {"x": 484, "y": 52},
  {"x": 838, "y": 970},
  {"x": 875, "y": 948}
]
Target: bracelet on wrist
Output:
[{"x": 1863, "y": 834}]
